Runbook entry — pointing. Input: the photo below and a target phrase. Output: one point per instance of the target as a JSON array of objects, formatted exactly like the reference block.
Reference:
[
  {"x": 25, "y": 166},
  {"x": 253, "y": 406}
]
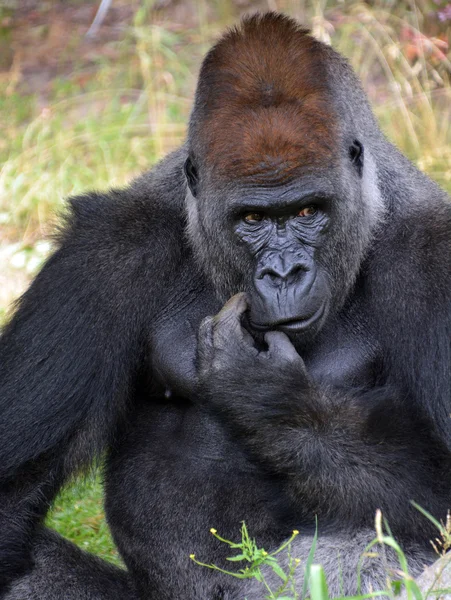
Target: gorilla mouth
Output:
[{"x": 293, "y": 325}]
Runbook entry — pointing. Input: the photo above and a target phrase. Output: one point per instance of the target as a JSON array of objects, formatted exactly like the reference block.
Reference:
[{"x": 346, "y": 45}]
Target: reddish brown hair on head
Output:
[{"x": 263, "y": 107}]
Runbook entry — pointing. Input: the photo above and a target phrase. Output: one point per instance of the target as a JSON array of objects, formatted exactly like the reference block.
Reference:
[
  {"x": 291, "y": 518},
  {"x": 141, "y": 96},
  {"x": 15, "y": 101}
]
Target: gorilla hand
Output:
[
  {"x": 230, "y": 365},
  {"x": 307, "y": 435}
]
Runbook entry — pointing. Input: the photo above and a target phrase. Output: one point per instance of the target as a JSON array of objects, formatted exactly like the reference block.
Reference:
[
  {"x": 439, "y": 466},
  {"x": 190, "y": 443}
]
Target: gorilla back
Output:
[{"x": 322, "y": 388}]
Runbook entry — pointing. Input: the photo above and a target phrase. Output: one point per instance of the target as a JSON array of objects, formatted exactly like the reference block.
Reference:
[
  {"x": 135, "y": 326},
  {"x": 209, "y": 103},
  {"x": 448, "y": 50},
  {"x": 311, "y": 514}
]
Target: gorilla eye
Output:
[
  {"x": 307, "y": 211},
  {"x": 253, "y": 217}
]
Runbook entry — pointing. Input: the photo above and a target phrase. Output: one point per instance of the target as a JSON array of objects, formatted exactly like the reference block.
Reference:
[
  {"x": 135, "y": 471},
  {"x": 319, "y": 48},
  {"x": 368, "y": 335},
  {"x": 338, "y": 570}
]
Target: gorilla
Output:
[{"x": 257, "y": 329}]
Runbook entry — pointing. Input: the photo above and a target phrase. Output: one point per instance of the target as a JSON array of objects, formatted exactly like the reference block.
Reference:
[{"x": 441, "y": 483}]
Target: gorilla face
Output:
[
  {"x": 284, "y": 233},
  {"x": 294, "y": 246}
]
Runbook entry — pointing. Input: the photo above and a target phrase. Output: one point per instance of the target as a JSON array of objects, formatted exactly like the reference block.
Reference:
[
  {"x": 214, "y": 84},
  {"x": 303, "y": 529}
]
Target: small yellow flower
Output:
[
  {"x": 192, "y": 556},
  {"x": 213, "y": 531},
  {"x": 297, "y": 560},
  {"x": 264, "y": 553},
  {"x": 295, "y": 532}
]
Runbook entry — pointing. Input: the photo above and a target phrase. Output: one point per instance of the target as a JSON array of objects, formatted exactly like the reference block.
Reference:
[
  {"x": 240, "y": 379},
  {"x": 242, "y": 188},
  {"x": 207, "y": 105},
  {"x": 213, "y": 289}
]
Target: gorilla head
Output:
[{"x": 282, "y": 197}]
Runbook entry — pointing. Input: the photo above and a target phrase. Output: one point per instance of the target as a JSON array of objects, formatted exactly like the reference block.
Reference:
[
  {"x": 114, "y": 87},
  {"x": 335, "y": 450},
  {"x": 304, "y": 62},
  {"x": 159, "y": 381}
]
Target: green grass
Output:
[
  {"x": 78, "y": 515},
  {"x": 249, "y": 561}
]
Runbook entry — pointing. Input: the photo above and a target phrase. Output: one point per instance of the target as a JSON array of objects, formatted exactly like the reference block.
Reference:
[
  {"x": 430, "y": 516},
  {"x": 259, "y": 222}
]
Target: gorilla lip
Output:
[{"x": 293, "y": 325}]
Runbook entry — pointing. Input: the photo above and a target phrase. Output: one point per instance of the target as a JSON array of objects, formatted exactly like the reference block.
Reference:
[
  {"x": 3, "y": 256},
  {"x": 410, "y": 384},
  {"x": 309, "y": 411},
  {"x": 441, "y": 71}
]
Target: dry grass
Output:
[{"x": 101, "y": 133}]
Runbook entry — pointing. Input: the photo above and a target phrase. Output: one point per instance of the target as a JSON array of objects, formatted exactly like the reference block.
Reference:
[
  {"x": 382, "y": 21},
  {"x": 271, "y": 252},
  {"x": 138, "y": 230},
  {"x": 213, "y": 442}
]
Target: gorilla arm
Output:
[
  {"x": 341, "y": 455},
  {"x": 70, "y": 356}
]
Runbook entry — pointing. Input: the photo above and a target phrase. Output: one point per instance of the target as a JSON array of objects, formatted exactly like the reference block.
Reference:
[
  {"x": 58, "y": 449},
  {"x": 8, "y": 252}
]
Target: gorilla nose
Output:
[{"x": 278, "y": 275}]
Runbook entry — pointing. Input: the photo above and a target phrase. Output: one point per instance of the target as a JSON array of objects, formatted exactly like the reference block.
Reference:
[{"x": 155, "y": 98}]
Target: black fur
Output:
[{"x": 206, "y": 430}]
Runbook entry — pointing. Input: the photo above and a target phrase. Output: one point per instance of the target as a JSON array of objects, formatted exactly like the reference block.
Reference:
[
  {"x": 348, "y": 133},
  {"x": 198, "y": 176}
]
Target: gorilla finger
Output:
[
  {"x": 281, "y": 348},
  {"x": 247, "y": 338},
  {"x": 227, "y": 323},
  {"x": 230, "y": 336},
  {"x": 235, "y": 306},
  {"x": 240, "y": 303},
  {"x": 205, "y": 345}
]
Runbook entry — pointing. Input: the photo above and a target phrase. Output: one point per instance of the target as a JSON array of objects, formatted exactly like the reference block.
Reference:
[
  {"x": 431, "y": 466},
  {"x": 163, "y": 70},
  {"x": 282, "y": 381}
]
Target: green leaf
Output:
[
  {"x": 415, "y": 589},
  {"x": 428, "y": 516},
  {"x": 258, "y": 576},
  {"x": 309, "y": 562},
  {"x": 236, "y": 558},
  {"x": 318, "y": 584},
  {"x": 279, "y": 571},
  {"x": 397, "y": 587}
]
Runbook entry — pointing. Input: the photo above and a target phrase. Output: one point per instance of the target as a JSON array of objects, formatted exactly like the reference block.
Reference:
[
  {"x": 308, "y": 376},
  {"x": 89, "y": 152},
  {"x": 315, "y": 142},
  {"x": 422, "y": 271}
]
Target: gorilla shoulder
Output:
[{"x": 146, "y": 216}]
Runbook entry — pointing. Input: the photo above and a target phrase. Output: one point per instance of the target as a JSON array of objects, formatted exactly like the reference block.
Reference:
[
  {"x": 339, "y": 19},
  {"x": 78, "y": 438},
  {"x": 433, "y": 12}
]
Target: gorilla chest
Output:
[
  {"x": 344, "y": 358},
  {"x": 345, "y": 354},
  {"x": 188, "y": 476}
]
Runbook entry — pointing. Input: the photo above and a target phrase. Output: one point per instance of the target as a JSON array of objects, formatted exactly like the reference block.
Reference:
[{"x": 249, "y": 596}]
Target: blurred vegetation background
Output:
[{"x": 93, "y": 93}]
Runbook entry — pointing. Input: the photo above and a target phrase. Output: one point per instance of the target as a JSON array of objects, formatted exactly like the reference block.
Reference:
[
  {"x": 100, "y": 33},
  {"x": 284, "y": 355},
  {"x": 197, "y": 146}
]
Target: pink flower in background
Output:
[{"x": 445, "y": 13}]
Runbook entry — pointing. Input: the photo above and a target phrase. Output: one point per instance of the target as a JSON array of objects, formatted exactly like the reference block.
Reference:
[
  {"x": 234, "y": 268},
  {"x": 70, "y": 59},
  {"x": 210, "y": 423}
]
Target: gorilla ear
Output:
[
  {"x": 356, "y": 156},
  {"x": 191, "y": 175}
]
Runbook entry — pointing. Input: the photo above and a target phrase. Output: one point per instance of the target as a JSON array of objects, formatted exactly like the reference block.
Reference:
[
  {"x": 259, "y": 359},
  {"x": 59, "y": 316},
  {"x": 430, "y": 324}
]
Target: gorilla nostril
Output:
[
  {"x": 297, "y": 270},
  {"x": 275, "y": 276},
  {"x": 272, "y": 275},
  {"x": 268, "y": 273},
  {"x": 294, "y": 272}
]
